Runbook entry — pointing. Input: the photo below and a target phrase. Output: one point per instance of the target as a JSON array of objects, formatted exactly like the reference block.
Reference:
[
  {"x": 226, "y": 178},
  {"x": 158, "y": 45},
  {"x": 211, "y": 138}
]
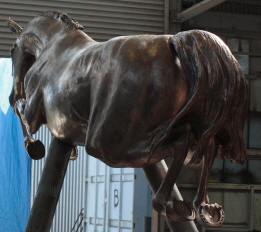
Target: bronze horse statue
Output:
[{"x": 132, "y": 100}]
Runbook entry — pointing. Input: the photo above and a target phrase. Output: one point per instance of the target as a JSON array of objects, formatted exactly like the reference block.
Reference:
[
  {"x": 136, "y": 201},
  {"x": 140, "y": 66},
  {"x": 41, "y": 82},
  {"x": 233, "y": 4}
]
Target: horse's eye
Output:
[{"x": 12, "y": 49}]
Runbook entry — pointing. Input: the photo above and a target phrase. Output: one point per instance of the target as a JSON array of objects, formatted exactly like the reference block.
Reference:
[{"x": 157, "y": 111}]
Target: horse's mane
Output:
[{"x": 70, "y": 22}]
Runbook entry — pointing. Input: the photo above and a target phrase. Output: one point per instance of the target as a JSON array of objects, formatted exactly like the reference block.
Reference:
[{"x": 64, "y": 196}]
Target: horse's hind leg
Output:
[
  {"x": 163, "y": 202},
  {"x": 207, "y": 214}
]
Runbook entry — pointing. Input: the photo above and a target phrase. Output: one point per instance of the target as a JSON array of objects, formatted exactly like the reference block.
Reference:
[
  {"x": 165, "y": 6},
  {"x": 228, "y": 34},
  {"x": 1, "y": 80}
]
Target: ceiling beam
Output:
[{"x": 198, "y": 9}]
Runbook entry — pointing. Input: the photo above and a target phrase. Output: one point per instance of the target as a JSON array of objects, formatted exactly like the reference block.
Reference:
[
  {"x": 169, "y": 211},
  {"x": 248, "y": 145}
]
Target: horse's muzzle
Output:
[{"x": 13, "y": 98}]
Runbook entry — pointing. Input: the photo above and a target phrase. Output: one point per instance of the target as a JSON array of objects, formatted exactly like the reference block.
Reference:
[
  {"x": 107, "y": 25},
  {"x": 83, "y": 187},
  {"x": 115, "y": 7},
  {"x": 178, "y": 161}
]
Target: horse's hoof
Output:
[
  {"x": 210, "y": 215},
  {"x": 177, "y": 211},
  {"x": 35, "y": 150}
]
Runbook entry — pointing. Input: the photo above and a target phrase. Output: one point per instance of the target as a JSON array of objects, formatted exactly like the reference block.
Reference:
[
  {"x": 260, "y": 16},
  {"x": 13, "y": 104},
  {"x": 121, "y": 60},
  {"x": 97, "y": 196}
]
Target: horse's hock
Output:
[{"x": 131, "y": 104}]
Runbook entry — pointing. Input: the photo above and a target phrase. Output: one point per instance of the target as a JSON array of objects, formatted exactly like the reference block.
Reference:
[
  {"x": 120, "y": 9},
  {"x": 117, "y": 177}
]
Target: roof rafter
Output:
[{"x": 198, "y": 9}]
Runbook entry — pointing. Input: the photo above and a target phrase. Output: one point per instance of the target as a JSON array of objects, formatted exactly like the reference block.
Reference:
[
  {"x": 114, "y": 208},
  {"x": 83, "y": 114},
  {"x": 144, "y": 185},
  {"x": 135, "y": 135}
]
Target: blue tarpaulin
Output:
[{"x": 15, "y": 166}]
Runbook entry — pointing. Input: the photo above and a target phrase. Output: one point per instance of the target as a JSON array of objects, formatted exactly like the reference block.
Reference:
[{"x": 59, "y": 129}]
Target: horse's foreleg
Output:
[
  {"x": 35, "y": 148},
  {"x": 207, "y": 214},
  {"x": 174, "y": 209}
]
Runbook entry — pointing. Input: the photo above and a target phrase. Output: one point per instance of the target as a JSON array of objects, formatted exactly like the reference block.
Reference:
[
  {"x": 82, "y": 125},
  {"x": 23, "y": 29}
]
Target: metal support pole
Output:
[
  {"x": 155, "y": 174},
  {"x": 49, "y": 187}
]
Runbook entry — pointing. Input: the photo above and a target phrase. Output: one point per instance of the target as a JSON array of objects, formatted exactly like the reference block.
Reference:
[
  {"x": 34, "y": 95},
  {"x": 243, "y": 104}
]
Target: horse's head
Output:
[
  {"x": 31, "y": 40},
  {"x": 22, "y": 59}
]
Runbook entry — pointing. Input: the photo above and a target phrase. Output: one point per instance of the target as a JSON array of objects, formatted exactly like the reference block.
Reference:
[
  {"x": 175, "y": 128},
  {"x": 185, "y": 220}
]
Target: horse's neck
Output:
[{"x": 67, "y": 38}]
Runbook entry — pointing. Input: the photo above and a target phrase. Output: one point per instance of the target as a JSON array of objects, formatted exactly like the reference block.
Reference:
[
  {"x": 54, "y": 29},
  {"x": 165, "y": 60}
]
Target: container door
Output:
[{"x": 109, "y": 198}]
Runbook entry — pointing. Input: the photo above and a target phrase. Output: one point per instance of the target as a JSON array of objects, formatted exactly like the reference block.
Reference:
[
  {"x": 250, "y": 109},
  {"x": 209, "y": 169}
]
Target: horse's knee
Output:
[{"x": 158, "y": 202}]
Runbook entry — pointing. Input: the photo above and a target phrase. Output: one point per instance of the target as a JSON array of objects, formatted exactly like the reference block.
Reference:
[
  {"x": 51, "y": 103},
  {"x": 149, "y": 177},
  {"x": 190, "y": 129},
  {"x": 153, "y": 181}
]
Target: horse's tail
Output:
[
  {"x": 218, "y": 93},
  {"x": 217, "y": 98}
]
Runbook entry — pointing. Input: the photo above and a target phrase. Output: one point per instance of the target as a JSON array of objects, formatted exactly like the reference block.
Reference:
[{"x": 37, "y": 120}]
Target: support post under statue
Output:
[
  {"x": 49, "y": 187},
  {"x": 155, "y": 175}
]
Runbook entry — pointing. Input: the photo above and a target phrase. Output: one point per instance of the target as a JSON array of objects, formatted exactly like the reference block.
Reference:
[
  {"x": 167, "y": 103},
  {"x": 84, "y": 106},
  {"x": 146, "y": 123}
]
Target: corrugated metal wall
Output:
[{"x": 102, "y": 20}]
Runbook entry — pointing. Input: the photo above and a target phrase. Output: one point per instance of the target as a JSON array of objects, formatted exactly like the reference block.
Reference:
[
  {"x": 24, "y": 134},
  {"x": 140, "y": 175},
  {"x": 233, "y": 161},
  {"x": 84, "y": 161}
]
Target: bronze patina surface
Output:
[{"x": 133, "y": 100}]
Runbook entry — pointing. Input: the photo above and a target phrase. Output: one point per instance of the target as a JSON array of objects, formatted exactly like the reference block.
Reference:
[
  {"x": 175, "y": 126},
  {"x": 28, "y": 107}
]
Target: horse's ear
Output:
[{"x": 14, "y": 27}]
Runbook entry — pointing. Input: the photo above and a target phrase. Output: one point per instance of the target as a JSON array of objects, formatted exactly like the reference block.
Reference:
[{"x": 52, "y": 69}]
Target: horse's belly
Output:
[
  {"x": 135, "y": 158},
  {"x": 141, "y": 153}
]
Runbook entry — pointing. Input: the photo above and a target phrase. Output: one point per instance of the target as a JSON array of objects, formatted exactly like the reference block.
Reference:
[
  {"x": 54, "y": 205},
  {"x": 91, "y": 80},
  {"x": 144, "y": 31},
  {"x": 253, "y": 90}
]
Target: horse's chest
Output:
[{"x": 66, "y": 119}]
